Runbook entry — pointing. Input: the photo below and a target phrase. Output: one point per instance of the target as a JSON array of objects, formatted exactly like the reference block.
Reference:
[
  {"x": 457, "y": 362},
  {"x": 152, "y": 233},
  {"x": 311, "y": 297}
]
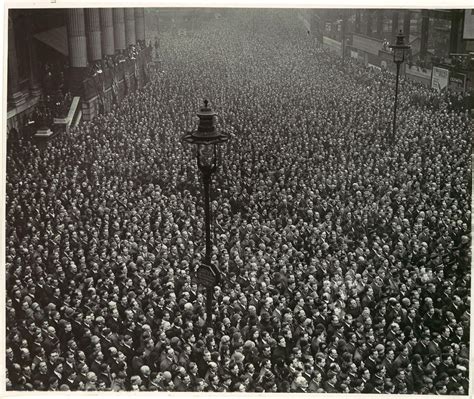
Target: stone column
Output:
[
  {"x": 140, "y": 25},
  {"x": 119, "y": 29},
  {"x": 94, "y": 41},
  {"x": 107, "y": 31},
  {"x": 15, "y": 96},
  {"x": 130, "y": 37},
  {"x": 425, "y": 26},
  {"x": 407, "y": 24},
  {"x": 76, "y": 36},
  {"x": 35, "y": 86},
  {"x": 394, "y": 27},
  {"x": 380, "y": 17}
]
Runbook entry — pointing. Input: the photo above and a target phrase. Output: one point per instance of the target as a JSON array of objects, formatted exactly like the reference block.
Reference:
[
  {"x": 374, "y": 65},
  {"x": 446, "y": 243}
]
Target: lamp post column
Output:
[
  {"x": 396, "y": 101},
  {"x": 206, "y": 177},
  {"x": 206, "y": 137},
  {"x": 399, "y": 49}
]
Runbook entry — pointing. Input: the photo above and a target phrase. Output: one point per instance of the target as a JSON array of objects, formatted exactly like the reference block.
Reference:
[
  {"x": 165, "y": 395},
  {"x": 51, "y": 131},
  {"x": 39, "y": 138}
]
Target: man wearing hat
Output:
[
  {"x": 422, "y": 346},
  {"x": 372, "y": 361},
  {"x": 366, "y": 379},
  {"x": 330, "y": 383},
  {"x": 211, "y": 372},
  {"x": 42, "y": 375},
  {"x": 156, "y": 382},
  {"x": 106, "y": 340},
  {"x": 105, "y": 376},
  {"x": 280, "y": 352},
  {"x": 440, "y": 388}
]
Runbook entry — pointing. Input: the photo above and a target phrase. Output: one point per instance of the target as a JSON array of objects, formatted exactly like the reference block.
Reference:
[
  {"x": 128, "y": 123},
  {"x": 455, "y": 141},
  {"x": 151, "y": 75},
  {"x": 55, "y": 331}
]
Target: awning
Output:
[{"x": 55, "y": 38}]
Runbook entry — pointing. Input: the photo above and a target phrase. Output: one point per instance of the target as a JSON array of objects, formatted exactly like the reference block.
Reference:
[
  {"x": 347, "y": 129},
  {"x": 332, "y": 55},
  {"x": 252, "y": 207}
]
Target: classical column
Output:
[
  {"x": 394, "y": 26},
  {"x": 35, "y": 86},
  {"x": 380, "y": 16},
  {"x": 94, "y": 45},
  {"x": 15, "y": 96},
  {"x": 130, "y": 27},
  {"x": 76, "y": 37},
  {"x": 107, "y": 31},
  {"x": 140, "y": 25},
  {"x": 407, "y": 24},
  {"x": 425, "y": 26},
  {"x": 119, "y": 29}
]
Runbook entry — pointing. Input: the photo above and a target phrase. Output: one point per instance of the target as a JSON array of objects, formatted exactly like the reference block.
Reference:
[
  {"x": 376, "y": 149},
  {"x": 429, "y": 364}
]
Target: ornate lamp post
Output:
[
  {"x": 207, "y": 138},
  {"x": 399, "y": 50}
]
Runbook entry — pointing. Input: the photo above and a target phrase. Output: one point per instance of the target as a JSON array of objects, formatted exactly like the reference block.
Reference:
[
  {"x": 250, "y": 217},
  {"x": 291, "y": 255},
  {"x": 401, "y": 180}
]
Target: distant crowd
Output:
[{"x": 344, "y": 248}]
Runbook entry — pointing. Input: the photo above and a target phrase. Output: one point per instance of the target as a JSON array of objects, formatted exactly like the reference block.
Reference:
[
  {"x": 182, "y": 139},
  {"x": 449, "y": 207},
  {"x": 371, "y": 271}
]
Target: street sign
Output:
[
  {"x": 206, "y": 276},
  {"x": 457, "y": 82},
  {"x": 439, "y": 78}
]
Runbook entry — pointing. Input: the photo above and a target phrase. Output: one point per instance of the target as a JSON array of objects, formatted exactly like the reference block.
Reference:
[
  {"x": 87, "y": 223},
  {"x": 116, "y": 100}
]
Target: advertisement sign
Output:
[
  {"x": 439, "y": 78},
  {"x": 457, "y": 82},
  {"x": 374, "y": 67}
]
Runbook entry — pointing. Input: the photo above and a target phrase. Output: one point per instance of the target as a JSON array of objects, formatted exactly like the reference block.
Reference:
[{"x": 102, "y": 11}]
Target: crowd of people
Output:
[
  {"x": 50, "y": 107},
  {"x": 344, "y": 249}
]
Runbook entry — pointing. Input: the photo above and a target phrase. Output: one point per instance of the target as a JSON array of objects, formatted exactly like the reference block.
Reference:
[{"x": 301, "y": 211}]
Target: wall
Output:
[
  {"x": 367, "y": 44},
  {"x": 332, "y": 45},
  {"x": 419, "y": 76}
]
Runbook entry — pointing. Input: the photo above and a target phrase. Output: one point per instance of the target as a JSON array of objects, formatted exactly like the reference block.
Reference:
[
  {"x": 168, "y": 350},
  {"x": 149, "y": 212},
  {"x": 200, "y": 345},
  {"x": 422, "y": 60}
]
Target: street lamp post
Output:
[
  {"x": 399, "y": 50},
  {"x": 206, "y": 139}
]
